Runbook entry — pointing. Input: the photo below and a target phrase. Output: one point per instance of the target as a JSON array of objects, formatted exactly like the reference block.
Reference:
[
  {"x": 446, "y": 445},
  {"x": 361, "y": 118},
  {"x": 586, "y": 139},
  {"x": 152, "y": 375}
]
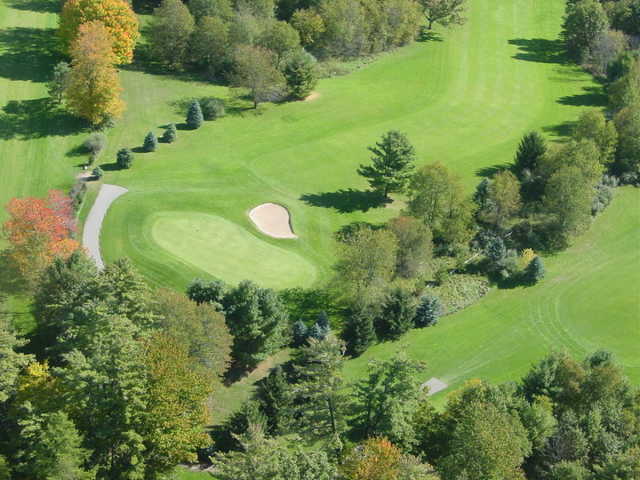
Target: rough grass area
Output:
[{"x": 589, "y": 300}]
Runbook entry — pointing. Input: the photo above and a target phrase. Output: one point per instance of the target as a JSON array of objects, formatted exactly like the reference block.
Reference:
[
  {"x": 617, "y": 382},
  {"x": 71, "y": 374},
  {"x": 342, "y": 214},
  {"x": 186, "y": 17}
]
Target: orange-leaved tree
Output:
[
  {"x": 116, "y": 15},
  {"x": 375, "y": 459},
  {"x": 93, "y": 90},
  {"x": 38, "y": 230}
]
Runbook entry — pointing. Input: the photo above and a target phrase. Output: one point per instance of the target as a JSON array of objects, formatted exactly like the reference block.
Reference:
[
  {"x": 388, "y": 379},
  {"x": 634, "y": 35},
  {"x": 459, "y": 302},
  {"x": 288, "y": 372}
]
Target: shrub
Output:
[
  {"x": 124, "y": 158},
  {"x": 95, "y": 144},
  {"x": 212, "y": 108},
  {"x": 170, "y": 134},
  {"x": 150, "y": 142},
  {"x": 97, "y": 173},
  {"x": 535, "y": 271},
  {"x": 300, "y": 73},
  {"x": 194, "y": 115},
  {"x": 428, "y": 312},
  {"x": 77, "y": 193}
]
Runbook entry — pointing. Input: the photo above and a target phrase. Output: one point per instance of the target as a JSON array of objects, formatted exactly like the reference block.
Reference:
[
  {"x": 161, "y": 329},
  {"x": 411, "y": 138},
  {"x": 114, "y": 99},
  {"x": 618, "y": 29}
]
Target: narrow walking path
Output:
[{"x": 91, "y": 234}]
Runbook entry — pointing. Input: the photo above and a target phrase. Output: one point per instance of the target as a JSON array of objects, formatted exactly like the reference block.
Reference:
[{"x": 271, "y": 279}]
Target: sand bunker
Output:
[
  {"x": 273, "y": 220},
  {"x": 434, "y": 385}
]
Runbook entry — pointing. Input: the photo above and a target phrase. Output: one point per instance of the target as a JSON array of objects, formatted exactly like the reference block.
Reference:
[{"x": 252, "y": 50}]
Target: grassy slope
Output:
[
  {"x": 464, "y": 101},
  {"x": 589, "y": 300}
]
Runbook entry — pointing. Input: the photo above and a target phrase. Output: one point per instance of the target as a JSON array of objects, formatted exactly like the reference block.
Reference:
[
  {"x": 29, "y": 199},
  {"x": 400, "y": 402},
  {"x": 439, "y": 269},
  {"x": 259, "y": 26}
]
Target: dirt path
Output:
[{"x": 91, "y": 234}]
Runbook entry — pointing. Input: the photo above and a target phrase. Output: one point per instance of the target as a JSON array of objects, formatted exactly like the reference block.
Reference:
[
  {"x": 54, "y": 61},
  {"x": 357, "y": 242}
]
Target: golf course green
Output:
[{"x": 464, "y": 98}]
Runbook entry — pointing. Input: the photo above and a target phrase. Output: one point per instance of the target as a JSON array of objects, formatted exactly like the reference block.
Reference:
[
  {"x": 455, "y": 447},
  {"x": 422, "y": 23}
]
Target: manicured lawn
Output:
[{"x": 589, "y": 300}]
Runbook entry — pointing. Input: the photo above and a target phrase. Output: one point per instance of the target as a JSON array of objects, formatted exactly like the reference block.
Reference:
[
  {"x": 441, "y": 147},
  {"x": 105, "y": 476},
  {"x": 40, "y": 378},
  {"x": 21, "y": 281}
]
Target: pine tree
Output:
[
  {"x": 59, "y": 80},
  {"x": 428, "y": 312},
  {"x": 124, "y": 158},
  {"x": 535, "y": 270},
  {"x": 300, "y": 73},
  {"x": 393, "y": 163},
  {"x": 300, "y": 333},
  {"x": 276, "y": 399},
  {"x": 150, "y": 142},
  {"x": 360, "y": 332},
  {"x": 531, "y": 148},
  {"x": 397, "y": 314},
  {"x": 170, "y": 134},
  {"x": 194, "y": 115}
]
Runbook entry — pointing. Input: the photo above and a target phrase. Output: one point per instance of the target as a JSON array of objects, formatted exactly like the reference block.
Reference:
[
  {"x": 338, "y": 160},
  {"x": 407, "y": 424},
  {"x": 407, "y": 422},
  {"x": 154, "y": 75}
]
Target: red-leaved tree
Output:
[{"x": 38, "y": 230}]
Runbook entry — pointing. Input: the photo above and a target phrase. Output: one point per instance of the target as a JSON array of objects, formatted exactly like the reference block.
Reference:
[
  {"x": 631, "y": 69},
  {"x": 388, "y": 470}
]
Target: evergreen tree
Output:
[
  {"x": 531, "y": 148},
  {"x": 277, "y": 401},
  {"x": 428, "y": 311},
  {"x": 257, "y": 319},
  {"x": 194, "y": 115},
  {"x": 300, "y": 73},
  {"x": 170, "y": 134},
  {"x": 535, "y": 270},
  {"x": 323, "y": 322},
  {"x": 397, "y": 314},
  {"x": 59, "y": 80},
  {"x": 11, "y": 362},
  {"x": 124, "y": 158},
  {"x": 150, "y": 142},
  {"x": 393, "y": 163},
  {"x": 360, "y": 332},
  {"x": 300, "y": 333},
  {"x": 51, "y": 447},
  {"x": 319, "y": 366}
]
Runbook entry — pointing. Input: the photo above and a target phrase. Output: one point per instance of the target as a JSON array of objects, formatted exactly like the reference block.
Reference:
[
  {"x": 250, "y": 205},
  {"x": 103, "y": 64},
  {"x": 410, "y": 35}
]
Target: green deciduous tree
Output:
[
  {"x": 210, "y": 45},
  {"x": 486, "y": 443},
  {"x": 255, "y": 71},
  {"x": 198, "y": 326},
  {"x": 309, "y": 25},
  {"x": 170, "y": 32},
  {"x": 392, "y": 163},
  {"x": 437, "y": 197},
  {"x": 444, "y": 12},
  {"x": 502, "y": 199},
  {"x": 585, "y": 20},
  {"x": 387, "y": 398},
  {"x": 280, "y": 38},
  {"x": 415, "y": 245},
  {"x": 177, "y": 414},
  {"x": 568, "y": 197},
  {"x": 257, "y": 319},
  {"x": 365, "y": 264},
  {"x": 627, "y": 122},
  {"x": 222, "y": 9},
  {"x": 592, "y": 125}
]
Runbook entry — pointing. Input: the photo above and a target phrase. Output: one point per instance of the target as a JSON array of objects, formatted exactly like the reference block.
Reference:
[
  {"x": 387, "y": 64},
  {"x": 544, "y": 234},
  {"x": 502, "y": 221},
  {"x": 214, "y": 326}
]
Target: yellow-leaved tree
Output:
[
  {"x": 116, "y": 15},
  {"x": 93, "y": 90}
]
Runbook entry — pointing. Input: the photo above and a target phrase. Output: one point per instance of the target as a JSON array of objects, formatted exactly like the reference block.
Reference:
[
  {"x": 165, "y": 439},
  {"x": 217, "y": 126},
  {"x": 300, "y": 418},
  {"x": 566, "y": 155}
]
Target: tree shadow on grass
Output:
[
  {"x": 540, "y": 50},
  {"x": 37, "y": 118},
  {"x": 30, "y": 53},
  {"x": 492, "y": 170},
  {"x": 594, "y": 97},
  {"x": 49, "y": 6},
  {"x": 427, "y": 35},
  {"x": 564, "y": 129},
  {"x": 346, "y": 201}
]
